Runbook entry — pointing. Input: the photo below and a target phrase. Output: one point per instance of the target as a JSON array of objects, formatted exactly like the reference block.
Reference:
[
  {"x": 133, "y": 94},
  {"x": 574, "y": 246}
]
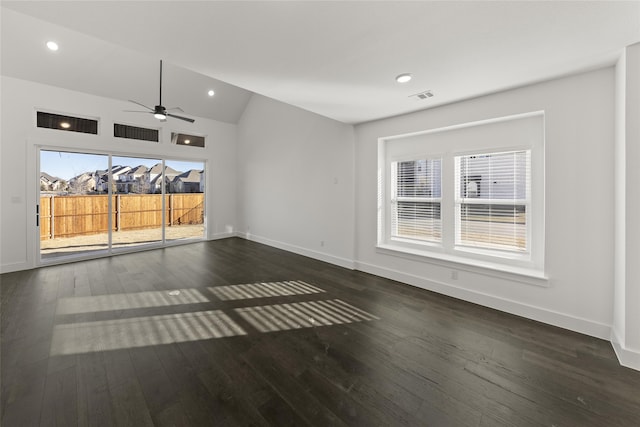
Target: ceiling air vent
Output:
[{"x": 422, "y": 95}]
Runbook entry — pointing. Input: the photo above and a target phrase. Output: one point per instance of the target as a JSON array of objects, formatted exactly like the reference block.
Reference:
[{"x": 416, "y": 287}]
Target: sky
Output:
[{"x": 66, "y": 165}]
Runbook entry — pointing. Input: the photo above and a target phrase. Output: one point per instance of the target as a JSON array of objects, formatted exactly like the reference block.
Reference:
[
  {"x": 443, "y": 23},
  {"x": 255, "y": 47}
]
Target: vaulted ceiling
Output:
[{"x": 338, "y": 59}]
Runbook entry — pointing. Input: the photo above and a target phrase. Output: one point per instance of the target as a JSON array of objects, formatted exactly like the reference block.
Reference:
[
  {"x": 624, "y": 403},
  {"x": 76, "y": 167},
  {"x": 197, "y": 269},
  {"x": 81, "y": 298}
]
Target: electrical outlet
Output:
[
  {"x": 454, "y": 274},
  {"x": 321, "y": 242}
]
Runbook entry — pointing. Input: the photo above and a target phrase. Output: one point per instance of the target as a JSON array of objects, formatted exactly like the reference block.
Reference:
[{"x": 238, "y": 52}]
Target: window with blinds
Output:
[
  {"x": 416, "y": 200},
  {"x": 471, "y": 194},
  {"x": 492, "y": 200}
]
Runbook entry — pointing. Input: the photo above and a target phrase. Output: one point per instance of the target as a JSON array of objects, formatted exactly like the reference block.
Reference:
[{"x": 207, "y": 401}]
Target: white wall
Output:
[
  {"x": 579, "y": 139},
  {"x": 632, "y": 135},
  {"x": 295, "y": 180},
  {"x": 626, "y": 335},
  {"x": 619, "y": 311},
  {"x": 19, "y": 137}
]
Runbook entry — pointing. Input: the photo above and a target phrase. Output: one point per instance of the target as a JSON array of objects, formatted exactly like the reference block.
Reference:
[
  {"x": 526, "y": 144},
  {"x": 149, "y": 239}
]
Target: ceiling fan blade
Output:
[
  {"x": 186, "y": 119},
  {"x": 142, "y": 105},
  {"x": 175, "y": 108},
  {"x": 137, "y": 111}
]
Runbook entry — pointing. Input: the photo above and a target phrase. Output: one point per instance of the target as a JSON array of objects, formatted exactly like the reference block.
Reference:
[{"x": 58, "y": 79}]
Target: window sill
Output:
[{"x": 519, "y": 274}]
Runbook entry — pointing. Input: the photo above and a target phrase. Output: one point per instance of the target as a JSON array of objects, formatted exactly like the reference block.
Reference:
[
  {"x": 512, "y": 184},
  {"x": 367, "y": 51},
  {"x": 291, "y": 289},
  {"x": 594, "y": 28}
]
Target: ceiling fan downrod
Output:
[
  {"x": 160, "y": 102},
  {"x": 160, "y": 112}
]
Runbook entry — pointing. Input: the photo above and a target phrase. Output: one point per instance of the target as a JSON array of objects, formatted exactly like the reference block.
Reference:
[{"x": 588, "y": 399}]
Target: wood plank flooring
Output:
[{"x": 258, "y": 336}]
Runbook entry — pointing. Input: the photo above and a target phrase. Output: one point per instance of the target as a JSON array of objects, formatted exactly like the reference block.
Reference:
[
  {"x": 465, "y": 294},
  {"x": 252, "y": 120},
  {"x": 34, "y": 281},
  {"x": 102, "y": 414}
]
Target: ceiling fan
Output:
[{"x": 160, "y": 112}]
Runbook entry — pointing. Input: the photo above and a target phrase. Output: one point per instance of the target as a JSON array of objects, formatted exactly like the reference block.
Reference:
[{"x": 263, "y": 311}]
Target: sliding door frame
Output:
[{"x": 163, "y": 158}]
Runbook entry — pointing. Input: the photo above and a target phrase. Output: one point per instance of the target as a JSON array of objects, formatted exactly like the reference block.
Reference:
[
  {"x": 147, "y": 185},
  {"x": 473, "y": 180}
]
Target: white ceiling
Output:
[{"x": 338, "y": 59}]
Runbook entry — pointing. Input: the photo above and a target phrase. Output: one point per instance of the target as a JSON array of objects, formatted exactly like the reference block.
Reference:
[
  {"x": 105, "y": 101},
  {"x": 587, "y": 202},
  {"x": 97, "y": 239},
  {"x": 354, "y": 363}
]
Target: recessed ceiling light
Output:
[
  {"x": 403, "y": 78},
  {"x": 65, "y": 125},
  {"x": 187, "y": 141},
  {"x": 211, "y": 92},
  {"x": 52, "y": 45}
]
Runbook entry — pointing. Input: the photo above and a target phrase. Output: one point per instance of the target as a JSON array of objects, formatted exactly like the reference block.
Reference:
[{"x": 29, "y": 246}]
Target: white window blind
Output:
[
  {"x": 416, "y": 200},
  {"x": 493, "y": 200}
]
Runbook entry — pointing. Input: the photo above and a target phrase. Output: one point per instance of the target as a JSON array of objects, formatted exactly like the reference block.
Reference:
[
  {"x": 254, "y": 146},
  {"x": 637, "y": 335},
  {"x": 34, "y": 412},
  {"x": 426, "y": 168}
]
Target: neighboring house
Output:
[
  {"x": 153, "y": 178},
  {"x": 101, "y": 178},
  {"x": 131, "y": 181},
  {"x": 187, "y": 182},
  {"x": 46, "y": 181},
  {"x": 51, "y": 183},
  {"x": 84, "y": 183},
  {"x": 117, "y": 172},
  {"x": 126, "y": 179},
  {"x": 59, "y": 185}
]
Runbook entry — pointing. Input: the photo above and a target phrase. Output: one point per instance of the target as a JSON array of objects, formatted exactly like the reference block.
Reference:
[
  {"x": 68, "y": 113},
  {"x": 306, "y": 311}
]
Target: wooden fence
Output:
[{"x": 69, "y": 216}]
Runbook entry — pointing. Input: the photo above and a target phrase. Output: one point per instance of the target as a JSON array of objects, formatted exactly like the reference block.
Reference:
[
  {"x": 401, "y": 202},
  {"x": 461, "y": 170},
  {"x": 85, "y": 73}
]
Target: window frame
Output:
[
  {"x": 527, "y": 135},
  {"x": 526, "y": 202},
  {"x": 395, "y": 199}
]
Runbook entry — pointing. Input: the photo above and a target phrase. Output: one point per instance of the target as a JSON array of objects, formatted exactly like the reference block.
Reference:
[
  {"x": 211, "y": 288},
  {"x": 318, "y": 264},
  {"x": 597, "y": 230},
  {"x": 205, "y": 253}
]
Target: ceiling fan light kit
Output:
[{"x": 160, "y": 112}]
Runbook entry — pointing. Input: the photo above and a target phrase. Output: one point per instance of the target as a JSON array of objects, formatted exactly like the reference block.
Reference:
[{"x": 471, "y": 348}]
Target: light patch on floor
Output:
[
  {"x": 264, "y": 290},
  {"x": 281, "y": 317},
  {"x": 85, "y": 337},
  {"x": 98, "y": 303},
  {"x": 132, "y": 332}
]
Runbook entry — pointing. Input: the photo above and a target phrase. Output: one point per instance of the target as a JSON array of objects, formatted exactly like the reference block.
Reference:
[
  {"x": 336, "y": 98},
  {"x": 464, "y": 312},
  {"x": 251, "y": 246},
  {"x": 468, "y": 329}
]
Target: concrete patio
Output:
[{"x": 51, "y": 248}]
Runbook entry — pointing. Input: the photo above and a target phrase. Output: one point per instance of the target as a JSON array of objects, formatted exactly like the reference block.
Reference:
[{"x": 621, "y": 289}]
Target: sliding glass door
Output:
[
  {"x": 96, "y": 204},
  {"x": 73, "y": 204},
  {"x": 184, "y": 201},
  {"x": 137, "y": 201}
]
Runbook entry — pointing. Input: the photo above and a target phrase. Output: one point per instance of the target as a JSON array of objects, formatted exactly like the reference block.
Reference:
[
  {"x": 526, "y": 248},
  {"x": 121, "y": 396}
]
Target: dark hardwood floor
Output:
[{"x": 259, "y": 336}]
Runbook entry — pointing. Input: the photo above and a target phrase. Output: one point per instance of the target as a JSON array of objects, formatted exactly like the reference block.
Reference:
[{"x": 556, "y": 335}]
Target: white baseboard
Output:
[
  {"x": 321, "y": 256},
  {"x": 225, "y": 235},
  {"x": 572, "y": 323},
  {"x": 550, "y": 317},
  {"x": 626, "y": 357},
  {"x": 18, "y": 266}
]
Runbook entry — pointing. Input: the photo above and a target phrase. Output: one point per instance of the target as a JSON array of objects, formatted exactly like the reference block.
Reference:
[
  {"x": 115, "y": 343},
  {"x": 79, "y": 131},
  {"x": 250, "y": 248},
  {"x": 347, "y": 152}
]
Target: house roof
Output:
[
  {"x": 138, "y": 170},
  {"x": 337, "y": 59},
  {"x": 192, "y": 175},
  {"x": 48, "y": 177},
  {"x": 116, "y": 170},
  {"x": 86, "y": 176},
  {"x": 168, "y": 171}
]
